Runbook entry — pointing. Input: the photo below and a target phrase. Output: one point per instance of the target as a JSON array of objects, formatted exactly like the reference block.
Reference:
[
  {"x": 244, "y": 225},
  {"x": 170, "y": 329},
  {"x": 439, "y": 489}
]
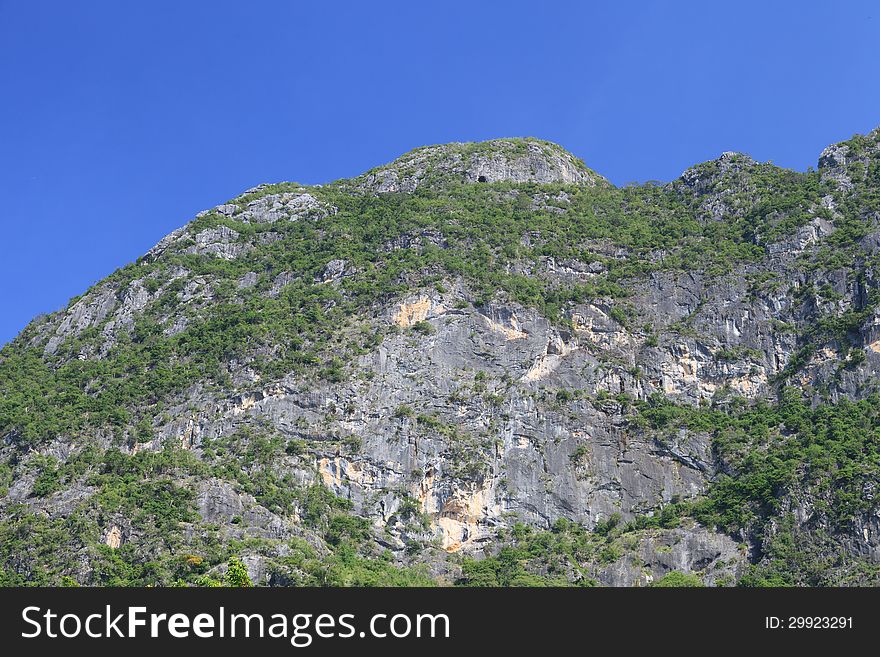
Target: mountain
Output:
[{"x": 479, "y": 364}]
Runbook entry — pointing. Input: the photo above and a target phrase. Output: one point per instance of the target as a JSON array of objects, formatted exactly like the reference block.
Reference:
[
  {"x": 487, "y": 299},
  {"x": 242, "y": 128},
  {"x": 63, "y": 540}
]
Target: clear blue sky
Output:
[{"x": 120, "y": 120}]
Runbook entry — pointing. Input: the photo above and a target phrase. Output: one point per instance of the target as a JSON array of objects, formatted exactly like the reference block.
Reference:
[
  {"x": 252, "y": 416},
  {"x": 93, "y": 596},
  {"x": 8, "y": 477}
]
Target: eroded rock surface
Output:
[{"x": 289, "y": 342}]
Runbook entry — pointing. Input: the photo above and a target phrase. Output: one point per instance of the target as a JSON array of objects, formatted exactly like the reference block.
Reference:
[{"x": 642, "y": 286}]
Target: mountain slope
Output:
[{"x": 481, "y": 363}]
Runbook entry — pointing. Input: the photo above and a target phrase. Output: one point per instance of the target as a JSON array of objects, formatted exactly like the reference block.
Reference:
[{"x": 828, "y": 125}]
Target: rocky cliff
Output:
[{"x": 479, "y": 364}]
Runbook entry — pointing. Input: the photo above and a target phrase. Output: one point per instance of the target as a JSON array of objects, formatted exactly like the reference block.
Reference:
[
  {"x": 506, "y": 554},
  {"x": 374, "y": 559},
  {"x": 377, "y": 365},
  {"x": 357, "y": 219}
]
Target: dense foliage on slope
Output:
[{"x": 236, "y": 293}]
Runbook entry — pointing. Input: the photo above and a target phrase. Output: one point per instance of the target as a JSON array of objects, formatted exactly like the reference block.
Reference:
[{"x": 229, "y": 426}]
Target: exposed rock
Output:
[
  {"x": 715, "y": 558},
  {"x": 283, "y": 279},
  {"x": 221, "y": 242},
  {"x": 332, "y": 272},
  {"x": 286, "y": 206},
  {"x": 114, "y": 537},
  {"x": 500, "y": 160},
  {"x": 287, "y": 379},
  {"x": 248, "y": 280}
]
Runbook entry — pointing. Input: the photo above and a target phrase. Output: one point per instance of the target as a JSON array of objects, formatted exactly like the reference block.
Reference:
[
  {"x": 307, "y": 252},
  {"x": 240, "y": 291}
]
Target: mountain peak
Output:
[
  {"x": 847, "y": 163},
  {"x": 516, "y": 160}
]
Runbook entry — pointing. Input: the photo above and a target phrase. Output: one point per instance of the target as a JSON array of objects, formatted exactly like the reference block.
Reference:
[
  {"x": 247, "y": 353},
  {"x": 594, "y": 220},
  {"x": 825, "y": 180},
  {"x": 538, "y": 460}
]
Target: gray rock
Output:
[
  {"x": 221, "y": 242},
  {"x": 517, "y": 161},
  {"x": 248, "y": 280}
]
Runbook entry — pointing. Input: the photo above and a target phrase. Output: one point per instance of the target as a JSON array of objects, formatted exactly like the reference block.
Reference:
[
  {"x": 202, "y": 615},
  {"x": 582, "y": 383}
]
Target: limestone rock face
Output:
[
  {"x": 114, "y": 537},
  {"x": 694, "y": 550},
  {"x": 846, "y": 164},
  {"x": 501, "y": 160},
  {"x": 434, "y": 359}
]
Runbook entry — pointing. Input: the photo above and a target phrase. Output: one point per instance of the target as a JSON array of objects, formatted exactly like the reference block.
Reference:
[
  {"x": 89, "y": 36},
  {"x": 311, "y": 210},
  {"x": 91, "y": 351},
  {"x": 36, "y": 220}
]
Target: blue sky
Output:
[{"x": 120, "y": 121}]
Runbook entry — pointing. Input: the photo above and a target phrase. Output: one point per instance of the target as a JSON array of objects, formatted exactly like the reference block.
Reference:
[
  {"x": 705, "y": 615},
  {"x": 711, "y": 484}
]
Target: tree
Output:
[{"x": 237, "y": 574}]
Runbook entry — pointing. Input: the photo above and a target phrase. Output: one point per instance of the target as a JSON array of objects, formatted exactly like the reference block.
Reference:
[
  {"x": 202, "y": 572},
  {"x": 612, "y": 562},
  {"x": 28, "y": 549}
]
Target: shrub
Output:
[
  {"x": 424, "y": 328},
  {"x": 676, "y": 579},
  {"x": 236, "y": 574}
]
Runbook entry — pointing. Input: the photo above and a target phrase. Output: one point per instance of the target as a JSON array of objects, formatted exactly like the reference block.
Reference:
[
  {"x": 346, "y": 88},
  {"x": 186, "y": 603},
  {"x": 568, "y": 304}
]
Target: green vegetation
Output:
[
  {"x": 529, "y": 557},
  {"x": 105, "y": 392},
  {"x": 833, "y": 450},
  {"x": 237, "y": 574},
  {"x": 424, "y": 328},
  {"x": 152, "y": 492},
  {"x": 773, "y": 456},
  {"x": 678, "y": 580}
]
